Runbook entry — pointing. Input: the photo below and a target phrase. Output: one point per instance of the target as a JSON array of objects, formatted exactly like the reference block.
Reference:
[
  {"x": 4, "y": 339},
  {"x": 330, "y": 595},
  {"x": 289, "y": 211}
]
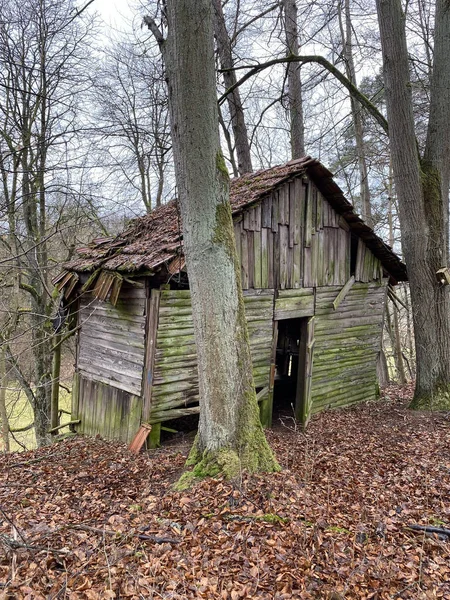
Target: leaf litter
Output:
[{"x": 87, "y": 519}]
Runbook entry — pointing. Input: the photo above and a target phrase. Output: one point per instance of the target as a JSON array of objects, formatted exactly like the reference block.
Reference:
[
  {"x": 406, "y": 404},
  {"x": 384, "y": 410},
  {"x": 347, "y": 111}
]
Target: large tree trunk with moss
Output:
[
  {"x": 422, "y": 191},
  {"x": 230, "y": 436},
  {"x": 294, "y": 81},
  {"x": 234, "y": 99}
]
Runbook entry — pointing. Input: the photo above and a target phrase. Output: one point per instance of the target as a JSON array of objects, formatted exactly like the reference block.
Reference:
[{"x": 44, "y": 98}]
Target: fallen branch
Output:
[
  {"x": 151, "y": 538},
  {"x": 30, "y": 462},
  {"x": 16, "y": 545},
  {"x": 68, "y": 424},
  {"x": 430, "y": 529}
]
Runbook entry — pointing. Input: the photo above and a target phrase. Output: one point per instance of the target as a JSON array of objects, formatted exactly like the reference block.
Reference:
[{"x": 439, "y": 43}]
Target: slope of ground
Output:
[{"x": 85, "y": 519}]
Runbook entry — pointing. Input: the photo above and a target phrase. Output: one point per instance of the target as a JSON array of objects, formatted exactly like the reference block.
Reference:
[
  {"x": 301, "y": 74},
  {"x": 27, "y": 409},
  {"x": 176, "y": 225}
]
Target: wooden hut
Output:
[{"x": 314, "y": 277}]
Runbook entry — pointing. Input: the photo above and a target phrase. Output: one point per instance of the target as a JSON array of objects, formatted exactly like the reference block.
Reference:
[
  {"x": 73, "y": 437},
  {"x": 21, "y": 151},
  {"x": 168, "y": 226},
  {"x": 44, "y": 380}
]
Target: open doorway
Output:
[{"x": 289, "y": 367}]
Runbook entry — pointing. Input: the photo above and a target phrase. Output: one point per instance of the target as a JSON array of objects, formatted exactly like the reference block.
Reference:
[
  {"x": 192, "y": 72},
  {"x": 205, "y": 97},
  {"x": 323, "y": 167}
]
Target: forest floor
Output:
[{"x": 87, "y": 519}]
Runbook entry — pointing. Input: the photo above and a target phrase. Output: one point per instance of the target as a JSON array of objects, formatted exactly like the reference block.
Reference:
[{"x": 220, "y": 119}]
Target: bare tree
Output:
[
  {"x": 297, "y": 128},
  {"x": 224, "y": 48},
  {"x": 133, "y": 121},
  {"x": 42, "y": 54},
  {"x": 346, "y": 33}
]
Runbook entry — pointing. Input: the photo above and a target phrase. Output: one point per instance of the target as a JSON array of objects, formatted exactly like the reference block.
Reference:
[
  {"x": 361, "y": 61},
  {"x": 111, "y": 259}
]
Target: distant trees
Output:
[
  {"x": 43, "y": 55},
  {"x": 132, "y": 123}
]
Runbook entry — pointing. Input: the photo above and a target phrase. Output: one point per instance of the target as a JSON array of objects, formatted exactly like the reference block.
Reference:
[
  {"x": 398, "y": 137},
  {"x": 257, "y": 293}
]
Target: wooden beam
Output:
[
  {"x": 152, "y": 329},
  {"x": 345, "y": 290}
]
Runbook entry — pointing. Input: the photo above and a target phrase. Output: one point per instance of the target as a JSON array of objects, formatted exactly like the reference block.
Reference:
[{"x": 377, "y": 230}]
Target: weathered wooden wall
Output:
[
  {"x": 106, "y": 410},
  {"x": 347, "y": 341},
  {"x": 175, "y": 385},
  {"x": 293, "y": 238},
  {"x": 111, "y": 340}
]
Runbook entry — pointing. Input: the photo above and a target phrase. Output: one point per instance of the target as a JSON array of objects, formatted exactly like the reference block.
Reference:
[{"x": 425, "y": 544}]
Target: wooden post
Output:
[
  {"x": 56, "y": 370},
  {"x": 153, "y": 440},
  {"x": 150, "y": 350},
  {"x": 266, "y": 405}
]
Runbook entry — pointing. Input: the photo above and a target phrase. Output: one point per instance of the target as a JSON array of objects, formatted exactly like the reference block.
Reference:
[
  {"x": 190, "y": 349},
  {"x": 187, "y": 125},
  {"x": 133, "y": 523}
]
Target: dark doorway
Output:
[{"x": 289, "y": 363}]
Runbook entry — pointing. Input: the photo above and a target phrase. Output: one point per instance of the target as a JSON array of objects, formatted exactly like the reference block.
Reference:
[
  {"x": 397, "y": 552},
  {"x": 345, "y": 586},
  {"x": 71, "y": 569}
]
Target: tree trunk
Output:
[
  {"x": 420, "y": 203},
  {"x": 410, "y": 334},
  {"x": 382, "y": 370},
  {"x": 294, "y": 81},
  {"x": 366, "y": 209},
  {"x": 230, "y": 436},
  {"x": 234, "y": 99},
  {"x": 3, "y": 412}
]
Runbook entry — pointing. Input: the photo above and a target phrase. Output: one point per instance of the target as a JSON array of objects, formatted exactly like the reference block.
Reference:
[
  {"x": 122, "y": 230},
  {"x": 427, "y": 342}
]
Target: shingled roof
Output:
[{"x": 155, "y": 241}]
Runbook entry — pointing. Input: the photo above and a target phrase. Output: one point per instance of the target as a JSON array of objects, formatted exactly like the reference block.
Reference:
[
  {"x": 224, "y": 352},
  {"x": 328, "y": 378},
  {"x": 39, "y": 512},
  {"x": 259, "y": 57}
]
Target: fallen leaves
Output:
[{"x": 90, "y": 520}]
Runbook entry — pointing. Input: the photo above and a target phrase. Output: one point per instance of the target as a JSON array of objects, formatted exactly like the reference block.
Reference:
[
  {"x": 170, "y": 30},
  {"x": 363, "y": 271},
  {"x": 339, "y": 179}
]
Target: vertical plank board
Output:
[
  {"x": 297, "y": 267},
  {"x": 360, "y": 260},
  {"x": 289, "y": 266},
  {"x": 281, "y": 205},
  {"x": 376, "y": 269},
  {"x": 134, "y": 419},
  {"x": 251, "y": 259},
  {"x": 319, "y": 213},
  {"x": 257, "y": 257},
  {"x": 308, "y": 216},
  {"x": 237, "y": 239},
  {"x": 284, "y": 243},
  {"x": 343, "y": 259},
  {"x": 265, "y": 233},
  {"x": 252, "y": 218},
  {"x": 292, "y": 217},
  {"x": 326, "y": 213},
  {"x": 244, "y": 260},
  {"x": 307, "y": 277},
  {"x": 266, "y": 407},
  {"x": 322, "y": 264},
  {"x": 266, "y": 212},
  {"x": 286, "y": 203},
  {"x": 332, "y": 256},
  {"x": 246, "y": 219},
  {"x": 297, "y": 214},
  {"x": 150, "y": 348},
  {"x": 276, "y": 260},
  {"x": 313, "y": 209},
  {"x": 275, "y": 212},
  {"x": 257, "y": 213},
  {"x": 270, "y": 259},
  {"x": 314, "y": 261}
]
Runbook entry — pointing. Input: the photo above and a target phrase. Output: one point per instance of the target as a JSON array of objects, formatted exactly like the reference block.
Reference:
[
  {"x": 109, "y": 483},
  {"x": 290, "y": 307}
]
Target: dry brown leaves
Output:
[{"x": 89, "y": 520}]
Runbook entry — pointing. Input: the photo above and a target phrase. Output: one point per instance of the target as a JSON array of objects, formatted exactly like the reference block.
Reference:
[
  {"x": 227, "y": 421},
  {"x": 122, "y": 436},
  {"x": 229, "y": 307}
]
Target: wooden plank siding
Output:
[
  {"x": 107, "y": 411},
  {"x": 111, "y": 346},
  {"x": 347, "y": 343},
  {"x": 293, "y": 239},
  {"x": 175, "y": 381},
  {"x": 295, "y": 256}
]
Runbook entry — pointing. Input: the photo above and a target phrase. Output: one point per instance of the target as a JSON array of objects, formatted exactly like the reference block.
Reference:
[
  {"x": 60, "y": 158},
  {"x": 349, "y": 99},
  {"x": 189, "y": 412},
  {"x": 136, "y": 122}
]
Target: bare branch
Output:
[{"x": 323, "y": 62}]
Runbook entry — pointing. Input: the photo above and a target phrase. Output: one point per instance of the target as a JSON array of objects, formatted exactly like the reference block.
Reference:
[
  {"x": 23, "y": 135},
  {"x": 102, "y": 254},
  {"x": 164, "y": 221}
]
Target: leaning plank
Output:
[
  {"x": 140, "y": 438},
  {"x": 152, "y": 328},
  {"x": 342, "y": 294}
]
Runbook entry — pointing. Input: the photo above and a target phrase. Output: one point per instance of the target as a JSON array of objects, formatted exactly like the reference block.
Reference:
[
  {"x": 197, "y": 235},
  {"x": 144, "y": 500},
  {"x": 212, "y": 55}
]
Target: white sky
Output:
[{"x": 116, "y": 14}]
